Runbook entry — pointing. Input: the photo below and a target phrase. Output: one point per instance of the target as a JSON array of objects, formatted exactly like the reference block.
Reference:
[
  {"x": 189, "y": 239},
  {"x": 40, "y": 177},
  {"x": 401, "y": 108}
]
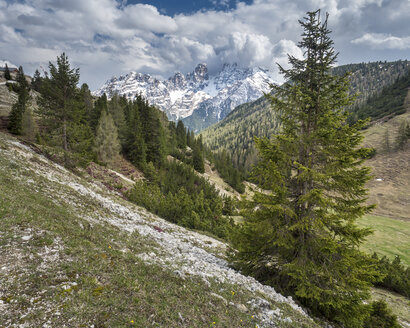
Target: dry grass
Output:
[{"x": 390, "y": 187}]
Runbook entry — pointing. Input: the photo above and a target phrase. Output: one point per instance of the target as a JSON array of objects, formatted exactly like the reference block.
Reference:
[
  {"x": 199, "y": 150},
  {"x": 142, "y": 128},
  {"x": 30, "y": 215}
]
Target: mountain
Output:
[
  {"x": 198, "y": 97},
  {"x": 235, "y": 133}
]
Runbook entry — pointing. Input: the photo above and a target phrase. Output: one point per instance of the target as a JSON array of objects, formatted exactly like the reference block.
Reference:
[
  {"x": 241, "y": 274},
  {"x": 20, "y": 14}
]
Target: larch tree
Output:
[
  {"x": 107, "y": 145},
  {"x": 300, "y": 233}
]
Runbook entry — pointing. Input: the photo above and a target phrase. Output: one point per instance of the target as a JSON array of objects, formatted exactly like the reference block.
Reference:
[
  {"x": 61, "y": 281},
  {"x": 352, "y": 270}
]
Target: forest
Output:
[{"x": 80, "y": 129}]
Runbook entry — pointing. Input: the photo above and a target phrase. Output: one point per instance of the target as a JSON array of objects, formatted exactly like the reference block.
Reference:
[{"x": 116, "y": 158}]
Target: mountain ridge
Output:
[
  {"x": 257, "y": 119},
  {"x": 208, "y": 97}
]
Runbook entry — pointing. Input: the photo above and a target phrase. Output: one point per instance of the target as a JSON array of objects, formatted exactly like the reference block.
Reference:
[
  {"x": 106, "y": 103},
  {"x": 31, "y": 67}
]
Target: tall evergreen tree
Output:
[
  {"x": 198, "y": 158},
  {"x": 18, "y": 109},
  {"x": 181, "y": 135},
  {"x": 133, "y": 145},
  {"x": 36, "y": 81},
  {"x": 58, "y": 99},
  {"x": 301, "y": 236},
  {"x": 7, "y": 73}
]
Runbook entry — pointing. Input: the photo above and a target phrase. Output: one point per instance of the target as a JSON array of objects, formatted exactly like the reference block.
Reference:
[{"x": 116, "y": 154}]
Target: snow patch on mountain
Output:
[{"x": 181, "y": 95}]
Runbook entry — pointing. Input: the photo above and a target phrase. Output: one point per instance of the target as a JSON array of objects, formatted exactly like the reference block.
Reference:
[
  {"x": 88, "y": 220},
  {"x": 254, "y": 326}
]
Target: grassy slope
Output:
[
  {"x": 71, "y": 258},
  {"x": 391, "y": 237},
  {"x": 389, "y": 189}
]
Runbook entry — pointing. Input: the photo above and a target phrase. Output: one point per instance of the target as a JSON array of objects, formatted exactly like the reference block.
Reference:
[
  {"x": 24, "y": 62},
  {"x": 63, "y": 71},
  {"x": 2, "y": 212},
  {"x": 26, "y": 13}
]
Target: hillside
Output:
[
  {"x": 257, "y": 119},
  {"x": 76, "y": 254}
]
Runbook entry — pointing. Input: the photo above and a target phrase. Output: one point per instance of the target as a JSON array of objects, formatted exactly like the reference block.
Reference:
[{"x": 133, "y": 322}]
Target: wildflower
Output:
[
  {"x": 109, "y": 246},
  {"x": 233, "y": 293},
  {"x": 132, "y": 321}
]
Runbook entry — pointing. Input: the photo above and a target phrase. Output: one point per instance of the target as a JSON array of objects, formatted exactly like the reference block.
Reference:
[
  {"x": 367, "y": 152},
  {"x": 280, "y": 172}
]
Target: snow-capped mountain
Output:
[{"x": 197, "y": 97}]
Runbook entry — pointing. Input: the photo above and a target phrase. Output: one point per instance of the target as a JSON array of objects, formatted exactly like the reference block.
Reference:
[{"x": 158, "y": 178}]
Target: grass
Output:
[
  {"x": 391, "y": 237},
  {"x": 73, "y": 273},
  {"x": 397, "y": 303}
]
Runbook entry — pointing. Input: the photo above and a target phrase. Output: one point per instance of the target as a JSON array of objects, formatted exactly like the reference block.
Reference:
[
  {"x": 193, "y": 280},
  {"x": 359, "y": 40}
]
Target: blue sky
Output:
[
  {"x": 106, "y": 38},
  {"x": 188, "y": 7}
]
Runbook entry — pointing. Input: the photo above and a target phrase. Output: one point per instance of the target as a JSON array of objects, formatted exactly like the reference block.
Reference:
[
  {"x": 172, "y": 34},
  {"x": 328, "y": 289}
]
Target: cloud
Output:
[
  {"x": 383, "y": 41},
  {"x": 4, "y": 62},
  {"x": 108, "y": 37}
]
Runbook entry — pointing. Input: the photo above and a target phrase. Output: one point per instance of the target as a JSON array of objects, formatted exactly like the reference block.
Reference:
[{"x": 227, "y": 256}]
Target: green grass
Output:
[
  {"x": 391, "y": 237},
  {"x": 113, "y": 287}
]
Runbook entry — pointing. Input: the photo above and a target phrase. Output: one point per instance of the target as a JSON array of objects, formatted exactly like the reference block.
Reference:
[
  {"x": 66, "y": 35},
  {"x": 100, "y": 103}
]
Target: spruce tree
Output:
[
  {"x": 300, "y": 233},
  {"x": 107, "y": 145},
  {"x": 18, "y": 109},
  {"x": 36, "y": 81},
  {"x": 181, "y": 135},
  {"x": 7, "y": 73},
  {"x": 198, "y": 158},
  {"x": 58, "y": 104}
]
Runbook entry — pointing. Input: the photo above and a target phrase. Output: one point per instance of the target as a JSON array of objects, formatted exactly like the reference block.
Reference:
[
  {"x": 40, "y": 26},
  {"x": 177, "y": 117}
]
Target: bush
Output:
[
  {"x": 180, "y": 196},
  {"x": 397, "y": 276},
  {"x": 381, "y": 316}
]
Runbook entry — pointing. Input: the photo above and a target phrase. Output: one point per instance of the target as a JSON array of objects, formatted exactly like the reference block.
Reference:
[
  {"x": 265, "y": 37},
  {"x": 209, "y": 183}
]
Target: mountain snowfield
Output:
[{"x": 214, "y": 96}]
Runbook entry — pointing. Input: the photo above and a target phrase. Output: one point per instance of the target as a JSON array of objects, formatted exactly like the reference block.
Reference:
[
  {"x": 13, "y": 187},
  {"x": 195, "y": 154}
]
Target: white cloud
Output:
[
  {"x": 108, "y": 37},
  {"x": 383, "y": 41},
  {"x": 4, "y": 62}
]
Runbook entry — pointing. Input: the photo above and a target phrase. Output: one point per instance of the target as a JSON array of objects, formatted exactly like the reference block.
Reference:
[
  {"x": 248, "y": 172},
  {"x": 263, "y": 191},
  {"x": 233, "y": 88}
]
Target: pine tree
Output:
[
  {"x": 18, "y": 109},
  {"x": 301, "y": 236},
  {"x": 181, "y": 135},
  {"x": 107, "y": 145},
  {"x": 198, "y": 158},
  {"x": 133, "y": 145},
  {"x": 58, "y": 103},
  {"x": 7, "y": 73},
  {"x": 36, "y": 81}
]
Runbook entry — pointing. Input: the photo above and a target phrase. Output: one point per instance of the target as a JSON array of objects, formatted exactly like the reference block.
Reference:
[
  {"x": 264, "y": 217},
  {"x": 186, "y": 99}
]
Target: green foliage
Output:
[
  {"x": 63, "y": 112},
  {"x": 182, "y": 197},
  {"x": 380, "y": 317},
  {"x": 17, "y": 111},
  {"x": 181, "y": 135},
  {"x": 7, "y": 73},
  {"x": 235, "y": 134},
  {"x": 300, "y": 234},
  {"x": 107, "y": 145},
  {"x": 396, "y": 275},
  {"x": 386, "y": 104},
  {"x": 198, "y": 159},
  {"x": 223, "y": 164},
  {"x": 36, "y": 81}
]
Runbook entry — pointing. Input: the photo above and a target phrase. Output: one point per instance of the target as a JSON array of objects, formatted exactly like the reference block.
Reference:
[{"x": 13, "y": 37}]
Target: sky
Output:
[{"x": 106, "y": 38}]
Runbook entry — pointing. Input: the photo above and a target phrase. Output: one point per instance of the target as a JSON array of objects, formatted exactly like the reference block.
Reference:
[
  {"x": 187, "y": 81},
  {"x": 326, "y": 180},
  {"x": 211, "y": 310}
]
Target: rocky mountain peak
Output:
[{"x": 181, "y": 96}]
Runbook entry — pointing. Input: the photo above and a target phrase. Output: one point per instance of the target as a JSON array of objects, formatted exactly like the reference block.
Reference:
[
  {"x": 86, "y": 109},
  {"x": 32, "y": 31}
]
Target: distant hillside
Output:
[{"x": 236, "y": 132}]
